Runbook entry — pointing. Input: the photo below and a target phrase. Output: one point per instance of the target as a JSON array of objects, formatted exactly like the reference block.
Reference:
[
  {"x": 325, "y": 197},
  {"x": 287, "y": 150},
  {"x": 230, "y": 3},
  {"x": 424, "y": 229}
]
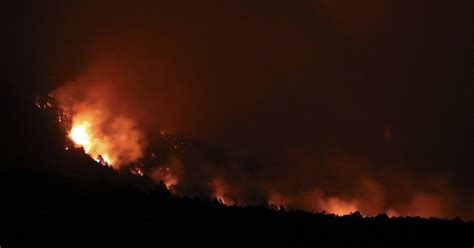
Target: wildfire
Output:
[
  {"x": 170, "y": 177},
  {"x": 84, "y": 133},
  {"x": 80, "y": 135},
  {"x": 170, "y": 180},
  {"x": 137, "y": 171},
  {"x": 92, "y": 122},
  {"x": 220, "y": 192},
  {"x": 338, "y": 206}
]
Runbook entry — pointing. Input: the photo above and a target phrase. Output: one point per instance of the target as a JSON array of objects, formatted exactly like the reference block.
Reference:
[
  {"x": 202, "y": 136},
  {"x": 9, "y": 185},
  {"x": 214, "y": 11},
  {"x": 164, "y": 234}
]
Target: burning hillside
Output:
[
  {"x": 93, "y": 120},
  {"x": 320, "y": 123},
  {"x": 109, "y": 138}
]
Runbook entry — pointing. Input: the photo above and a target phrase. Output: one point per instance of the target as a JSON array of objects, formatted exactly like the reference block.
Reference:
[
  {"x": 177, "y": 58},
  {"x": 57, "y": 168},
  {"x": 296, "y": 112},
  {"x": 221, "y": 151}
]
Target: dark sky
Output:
[{"x": 390, "y": 82}]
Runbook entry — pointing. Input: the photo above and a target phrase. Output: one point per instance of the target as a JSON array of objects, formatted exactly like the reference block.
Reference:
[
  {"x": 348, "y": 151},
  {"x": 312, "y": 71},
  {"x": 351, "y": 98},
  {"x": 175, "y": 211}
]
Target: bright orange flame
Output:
[
  {"x": 111, "y": 141},
  {"x": 94, "y": 123},
  {"x": 80, "y": 135},
  {"x": 83, "y": 136}
]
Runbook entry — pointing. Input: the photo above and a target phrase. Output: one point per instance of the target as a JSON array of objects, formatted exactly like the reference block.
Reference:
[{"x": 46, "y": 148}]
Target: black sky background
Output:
[{"x": 388, "y": 80}]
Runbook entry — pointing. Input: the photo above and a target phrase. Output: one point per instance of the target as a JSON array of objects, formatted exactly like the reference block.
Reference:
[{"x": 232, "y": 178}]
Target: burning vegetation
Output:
[
  {"x": 112, "y": 140},
  {"x": 95, "y": 120}
]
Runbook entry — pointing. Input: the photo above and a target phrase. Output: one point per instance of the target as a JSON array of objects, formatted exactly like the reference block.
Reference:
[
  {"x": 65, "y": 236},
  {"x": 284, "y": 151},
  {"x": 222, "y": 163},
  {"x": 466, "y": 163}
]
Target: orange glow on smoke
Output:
[
  {"x": 168, "y": 173},
  {"x": 83, "y": 135},
  {"x": 338, "y": 206},
  {"x": 110, "y": 141},
  {"x": 220, "y": 192},
  {"x": 170, "y": 181},
  {"x": 94, "y": 123},
  {"x": 166, "y": 176},
  {"x": 314, "y": 201}
]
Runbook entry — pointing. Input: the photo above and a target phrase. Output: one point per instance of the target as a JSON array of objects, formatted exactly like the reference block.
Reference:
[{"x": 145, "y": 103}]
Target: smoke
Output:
[
  {"x": 169, "y": 173},
  {"x": 121, "y": 130},
  {"x": 97, "y": 123},
  {"x": 309, "y": 105},
  {"x": 333, "y": 182}
]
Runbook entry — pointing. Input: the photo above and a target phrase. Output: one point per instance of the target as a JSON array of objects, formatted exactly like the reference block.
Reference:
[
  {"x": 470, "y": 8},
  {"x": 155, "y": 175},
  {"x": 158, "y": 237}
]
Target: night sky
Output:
[{"x": 347, "y": 97}]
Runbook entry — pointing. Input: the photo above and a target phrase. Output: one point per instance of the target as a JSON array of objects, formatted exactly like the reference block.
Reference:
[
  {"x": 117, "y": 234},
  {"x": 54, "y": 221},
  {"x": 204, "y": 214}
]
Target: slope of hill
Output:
[
  {"x": 44, "y": 207},
  {"x": 50, "y": 196}
]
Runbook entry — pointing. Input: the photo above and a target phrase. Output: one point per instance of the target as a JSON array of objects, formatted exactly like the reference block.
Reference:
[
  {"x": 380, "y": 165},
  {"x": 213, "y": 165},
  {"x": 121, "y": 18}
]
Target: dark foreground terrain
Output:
[
  {"x": 91, "y": 205},
  {"x": 41, "y": 208}
]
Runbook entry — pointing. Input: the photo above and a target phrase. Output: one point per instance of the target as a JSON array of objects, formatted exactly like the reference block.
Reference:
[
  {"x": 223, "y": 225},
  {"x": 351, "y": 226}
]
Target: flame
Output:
[
  {"x": 137, "y": 171},
  {"x": 80, "y": 135},
  {"x": 221, "y": 192},
  {"x": 111, "y": 136},
  {"x": 111, "y": 141},
  {"x": 93, "y": 123}
]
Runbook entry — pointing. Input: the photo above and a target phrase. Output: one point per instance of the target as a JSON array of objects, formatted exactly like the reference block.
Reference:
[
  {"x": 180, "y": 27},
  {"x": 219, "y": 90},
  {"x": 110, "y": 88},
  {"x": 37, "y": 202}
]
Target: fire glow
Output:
[
  {"x": 106, "y": 135},
  {"x": 84, "y": 134},
  {"x": 80, "y": 135},
  {"x": 111, "y": 137}
]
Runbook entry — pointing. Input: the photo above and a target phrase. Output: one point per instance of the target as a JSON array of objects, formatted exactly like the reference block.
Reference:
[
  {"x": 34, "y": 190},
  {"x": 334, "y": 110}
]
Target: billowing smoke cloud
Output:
[
  {"x": 312, "y": 105},
  {"x": 338, "y": 183},
  {"x": 96, "y": 122}
]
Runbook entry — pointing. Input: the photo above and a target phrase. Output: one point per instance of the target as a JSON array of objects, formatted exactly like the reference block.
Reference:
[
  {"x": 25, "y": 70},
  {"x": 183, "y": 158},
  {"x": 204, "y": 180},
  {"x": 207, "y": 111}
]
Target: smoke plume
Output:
[{"x": 320, "y": 106}]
